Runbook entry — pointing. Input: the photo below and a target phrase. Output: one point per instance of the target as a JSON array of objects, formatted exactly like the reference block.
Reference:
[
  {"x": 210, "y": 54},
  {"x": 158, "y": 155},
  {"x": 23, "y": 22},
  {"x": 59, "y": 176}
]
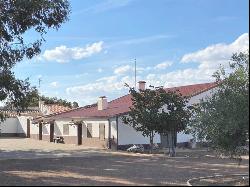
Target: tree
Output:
[
  {"x": 157, "y": 111},
  {"x": 75, "y": 105},
  {"x": 55, "y": 100},
  {"x": 17, "y": 19},
  {"x": 27, "y": 97},
  {"x": 31, "y": 99},
  {"x": 174, "y": 117},
  {"x": 223, "y": 119}
]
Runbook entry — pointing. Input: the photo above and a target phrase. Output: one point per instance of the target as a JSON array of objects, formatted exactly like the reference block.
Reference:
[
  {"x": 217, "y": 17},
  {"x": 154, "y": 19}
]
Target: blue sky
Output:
[{"x": 175, "y": 42}]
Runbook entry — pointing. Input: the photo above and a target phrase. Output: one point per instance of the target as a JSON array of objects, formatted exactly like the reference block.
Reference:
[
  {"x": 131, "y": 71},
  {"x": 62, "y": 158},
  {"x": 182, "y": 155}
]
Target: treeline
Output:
[{"x": 31, "y": 99}]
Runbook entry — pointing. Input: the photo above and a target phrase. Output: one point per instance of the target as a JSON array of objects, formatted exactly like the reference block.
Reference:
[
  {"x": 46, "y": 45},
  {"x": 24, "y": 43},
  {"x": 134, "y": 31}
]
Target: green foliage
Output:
[
  {"x": 175, "y": 114},
  {"x": 17, "y": 19},
  {"x": 223, "y": 119},
  {"x": 158, "y": 111},
  {"x": 22, "y": 95},
  {"x": 75, "y": 105},
  {"x": 55, "y": 100},
  {"x": 31, "y": 99}
]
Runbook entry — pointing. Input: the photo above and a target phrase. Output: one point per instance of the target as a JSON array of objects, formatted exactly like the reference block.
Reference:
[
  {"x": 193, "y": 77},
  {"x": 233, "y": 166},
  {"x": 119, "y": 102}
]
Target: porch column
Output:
[
  {"x": 117, "y": 132},
  {"x": 79, "y": 134},
  {"x": 40, "y": 131},
  {"x": 51, "y": 131},
  {"x": 28, "y": 128},
  {"x": 109, "y": 135}
]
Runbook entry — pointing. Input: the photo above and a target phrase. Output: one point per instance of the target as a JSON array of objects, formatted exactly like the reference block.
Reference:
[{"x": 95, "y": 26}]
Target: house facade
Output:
[
  {"x": 101, "y": 125},
  {"x": 18, "y": 122}
]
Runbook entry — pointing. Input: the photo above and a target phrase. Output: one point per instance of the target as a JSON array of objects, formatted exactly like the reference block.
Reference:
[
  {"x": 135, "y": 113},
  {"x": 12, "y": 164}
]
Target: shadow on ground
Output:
[{"x": 111, "y": 169}]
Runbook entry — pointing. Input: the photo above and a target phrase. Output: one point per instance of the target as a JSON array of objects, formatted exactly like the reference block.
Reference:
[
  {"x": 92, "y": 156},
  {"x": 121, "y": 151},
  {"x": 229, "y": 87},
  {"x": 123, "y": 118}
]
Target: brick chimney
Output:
[
  {"x": 142, "y": 85},
  {"x": 102, "y": 103}
]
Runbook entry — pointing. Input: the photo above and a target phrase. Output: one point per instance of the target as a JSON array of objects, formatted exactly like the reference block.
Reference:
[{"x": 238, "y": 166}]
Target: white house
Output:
[
  {"x": 101, "y": 124},
  {"x": 17, "y": 123}
]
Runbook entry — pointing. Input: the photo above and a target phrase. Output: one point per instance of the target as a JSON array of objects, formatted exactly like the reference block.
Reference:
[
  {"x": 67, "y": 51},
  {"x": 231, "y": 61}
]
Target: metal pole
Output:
[{"x": 135, "y": 73}]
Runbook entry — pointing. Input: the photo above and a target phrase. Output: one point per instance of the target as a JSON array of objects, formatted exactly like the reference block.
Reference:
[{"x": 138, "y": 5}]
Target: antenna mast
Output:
[
  {"x": 39, "y": 83},
  {"x": 135, "y": 73}
]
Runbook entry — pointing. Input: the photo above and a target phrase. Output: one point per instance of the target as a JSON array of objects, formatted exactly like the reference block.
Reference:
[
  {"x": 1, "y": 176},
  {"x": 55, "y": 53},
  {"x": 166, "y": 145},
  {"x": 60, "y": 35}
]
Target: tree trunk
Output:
[
  {"x": 171, "y": 142},
  {"x": 151, "y": 142}
]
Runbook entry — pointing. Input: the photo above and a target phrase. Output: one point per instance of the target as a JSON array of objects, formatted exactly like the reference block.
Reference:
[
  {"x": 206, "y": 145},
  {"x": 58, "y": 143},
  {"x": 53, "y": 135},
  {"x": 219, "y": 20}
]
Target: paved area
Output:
[
  {"x": 76, "y": 165},
  {"x": 25, "y": 148}
]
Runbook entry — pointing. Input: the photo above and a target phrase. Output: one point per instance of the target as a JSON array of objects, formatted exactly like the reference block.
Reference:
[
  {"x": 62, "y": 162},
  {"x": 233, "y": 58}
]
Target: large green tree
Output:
[
  {"x": 223, "y": 119},
  {"x": 18, "y": 18},
  {"x": 174, "y": 117},
  {"x": 157, "y": 111}
]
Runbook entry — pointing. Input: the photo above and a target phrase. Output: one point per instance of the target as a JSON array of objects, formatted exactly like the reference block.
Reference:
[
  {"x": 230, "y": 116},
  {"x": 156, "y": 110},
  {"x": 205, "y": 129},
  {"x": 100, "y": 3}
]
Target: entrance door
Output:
[
  {"x": 28, "y": 128},
  {"x": 79, "y": 134},
  {"x": 102, "y": 131},
  {"x": 40, "y": 131}
]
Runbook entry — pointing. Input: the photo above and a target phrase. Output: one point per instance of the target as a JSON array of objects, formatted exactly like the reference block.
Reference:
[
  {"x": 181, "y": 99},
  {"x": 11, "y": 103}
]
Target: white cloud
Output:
[
  {"x": 214, "y": 55},
  {"x": 54, "y": 84},
  {"x": 111, "y": 86},
  {"x": 163, "y": 65},
  {"x": 64, "y": 54},
  {"x": 207, "y": 60},
  {"x": 108, "y": 79},
  {"x": 122, "y": 69}
]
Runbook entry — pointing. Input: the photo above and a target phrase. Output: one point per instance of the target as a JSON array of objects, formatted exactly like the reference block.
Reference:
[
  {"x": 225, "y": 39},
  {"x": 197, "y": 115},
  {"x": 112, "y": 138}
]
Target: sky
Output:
[{"x": 174, "y": 42}]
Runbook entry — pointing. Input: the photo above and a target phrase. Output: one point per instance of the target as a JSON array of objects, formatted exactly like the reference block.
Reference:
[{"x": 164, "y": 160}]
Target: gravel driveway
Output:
[{"x": 76, "y": 165}]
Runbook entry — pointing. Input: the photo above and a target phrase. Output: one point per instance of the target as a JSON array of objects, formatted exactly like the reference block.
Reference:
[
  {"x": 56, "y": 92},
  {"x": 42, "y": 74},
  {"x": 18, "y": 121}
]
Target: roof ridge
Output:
[
  {"x": 118, "y": 98},
  {"x": 194, "y": 90},
  {"x": 190, "y": 85}
]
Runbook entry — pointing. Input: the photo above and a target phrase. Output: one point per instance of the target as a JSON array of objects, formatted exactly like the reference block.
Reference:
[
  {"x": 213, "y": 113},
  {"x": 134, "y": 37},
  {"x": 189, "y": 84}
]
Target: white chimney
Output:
[
  {"x": 102, "y": 103},
  {"x": 40, "y": 105},
  {"x": 142, "y": 85}
]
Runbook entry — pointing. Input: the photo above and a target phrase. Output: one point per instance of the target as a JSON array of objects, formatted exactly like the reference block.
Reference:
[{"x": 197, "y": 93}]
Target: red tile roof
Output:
[
  {"x": 121, "y": 105},
  {"x": 54, "y": 108}
]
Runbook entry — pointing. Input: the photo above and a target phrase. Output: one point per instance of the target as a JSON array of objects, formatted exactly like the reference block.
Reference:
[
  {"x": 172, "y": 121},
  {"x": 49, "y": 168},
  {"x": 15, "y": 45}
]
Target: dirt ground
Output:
[{"x": 31, "y": 162}]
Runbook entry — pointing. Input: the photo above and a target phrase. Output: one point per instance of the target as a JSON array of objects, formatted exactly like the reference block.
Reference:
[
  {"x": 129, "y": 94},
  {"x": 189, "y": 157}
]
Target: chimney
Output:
[
  {"x": 142, "y": 85},
  {"x": 102, "y": 103},
  {"x": 40, "y": 105}
]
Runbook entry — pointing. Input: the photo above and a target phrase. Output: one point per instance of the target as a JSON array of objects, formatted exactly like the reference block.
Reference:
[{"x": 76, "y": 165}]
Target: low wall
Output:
[{"x": 22, "y": 135}]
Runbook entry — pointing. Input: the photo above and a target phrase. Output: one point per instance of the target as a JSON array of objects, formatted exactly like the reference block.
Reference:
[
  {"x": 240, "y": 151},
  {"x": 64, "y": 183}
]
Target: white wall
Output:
[
  {"x": 15, "y": 125},
  {"x": 34, "y": 128},
  {"x": 58, "y": 128},
  {"x": 113, "y": 129},
  {"x": 95, "y": 127},
  {"x": 22, "y": 124},
  {"x": 181, "y": 137},
  {"x": 128, "y": 135},
  {"x": 9, "y": 125},
  {"x": 46, "y": 129}
]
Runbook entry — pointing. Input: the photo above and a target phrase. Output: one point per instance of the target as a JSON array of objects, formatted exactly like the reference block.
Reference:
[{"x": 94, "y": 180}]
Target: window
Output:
[{"x": 65, "y": 129}]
